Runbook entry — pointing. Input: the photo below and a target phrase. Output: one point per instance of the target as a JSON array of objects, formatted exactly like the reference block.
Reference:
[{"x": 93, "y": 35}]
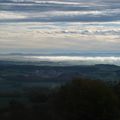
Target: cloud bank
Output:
[
  {"x": 83, "y": 25},
  {"x": 65, "y": 11}
]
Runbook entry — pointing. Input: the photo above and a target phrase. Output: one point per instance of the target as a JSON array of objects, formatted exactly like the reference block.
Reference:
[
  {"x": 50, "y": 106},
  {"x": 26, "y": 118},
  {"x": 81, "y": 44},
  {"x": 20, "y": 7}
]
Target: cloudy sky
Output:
[{"x": 59, "y": 25}]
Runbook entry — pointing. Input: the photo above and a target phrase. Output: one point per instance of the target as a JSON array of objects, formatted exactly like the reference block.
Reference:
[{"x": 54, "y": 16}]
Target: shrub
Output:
[{"x": 85, "y": 100}]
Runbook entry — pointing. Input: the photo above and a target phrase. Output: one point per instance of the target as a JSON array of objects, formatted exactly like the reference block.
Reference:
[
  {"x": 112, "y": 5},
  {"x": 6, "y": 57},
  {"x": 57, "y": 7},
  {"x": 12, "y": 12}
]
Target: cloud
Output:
[
  {"x": 10, "y": 15},
  {"x": 71, "y": 36},
  {"x": 60, "y": 24},
  {"x": 64, "y": 11}
]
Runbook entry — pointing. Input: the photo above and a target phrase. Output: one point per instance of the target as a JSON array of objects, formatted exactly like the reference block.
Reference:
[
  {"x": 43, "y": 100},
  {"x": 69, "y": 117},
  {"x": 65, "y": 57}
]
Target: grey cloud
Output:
[
  {"x": 28, "y": 7},
  {"x": 43, "y": 7},
  {"x": 68, "y": 18}
]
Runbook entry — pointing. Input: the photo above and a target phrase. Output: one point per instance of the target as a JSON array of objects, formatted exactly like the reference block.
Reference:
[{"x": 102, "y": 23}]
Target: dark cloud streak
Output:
[{"x": 34, "y": 7}]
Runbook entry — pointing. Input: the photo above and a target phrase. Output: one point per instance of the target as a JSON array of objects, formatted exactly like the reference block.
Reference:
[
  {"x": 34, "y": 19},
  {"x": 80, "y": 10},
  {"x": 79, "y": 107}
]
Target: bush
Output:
[{"x": 85, "y": 100}]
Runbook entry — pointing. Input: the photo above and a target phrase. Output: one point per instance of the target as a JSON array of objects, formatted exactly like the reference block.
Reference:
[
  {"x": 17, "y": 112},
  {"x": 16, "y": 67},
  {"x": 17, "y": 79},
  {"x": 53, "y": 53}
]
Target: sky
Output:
[{"x": 42, "y": 26}]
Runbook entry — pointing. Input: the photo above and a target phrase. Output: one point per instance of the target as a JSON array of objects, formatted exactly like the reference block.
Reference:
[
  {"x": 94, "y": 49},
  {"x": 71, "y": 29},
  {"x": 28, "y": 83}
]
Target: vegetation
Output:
[
  {"x": 80, "y": 99},
  {"x": 85, "y": 100}
]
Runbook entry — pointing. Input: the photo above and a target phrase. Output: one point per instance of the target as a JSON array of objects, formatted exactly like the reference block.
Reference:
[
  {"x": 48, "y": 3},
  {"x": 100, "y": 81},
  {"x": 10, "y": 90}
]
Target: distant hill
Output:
[{"x": 19, "y": 76}]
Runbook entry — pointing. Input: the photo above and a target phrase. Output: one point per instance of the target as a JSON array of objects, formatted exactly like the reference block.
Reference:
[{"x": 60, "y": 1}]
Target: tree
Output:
[{"x": 85, "y": 100}]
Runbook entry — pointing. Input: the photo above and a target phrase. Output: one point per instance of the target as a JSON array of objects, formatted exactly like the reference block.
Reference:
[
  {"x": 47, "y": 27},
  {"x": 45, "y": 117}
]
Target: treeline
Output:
[{"x": 81, "y": 99}]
